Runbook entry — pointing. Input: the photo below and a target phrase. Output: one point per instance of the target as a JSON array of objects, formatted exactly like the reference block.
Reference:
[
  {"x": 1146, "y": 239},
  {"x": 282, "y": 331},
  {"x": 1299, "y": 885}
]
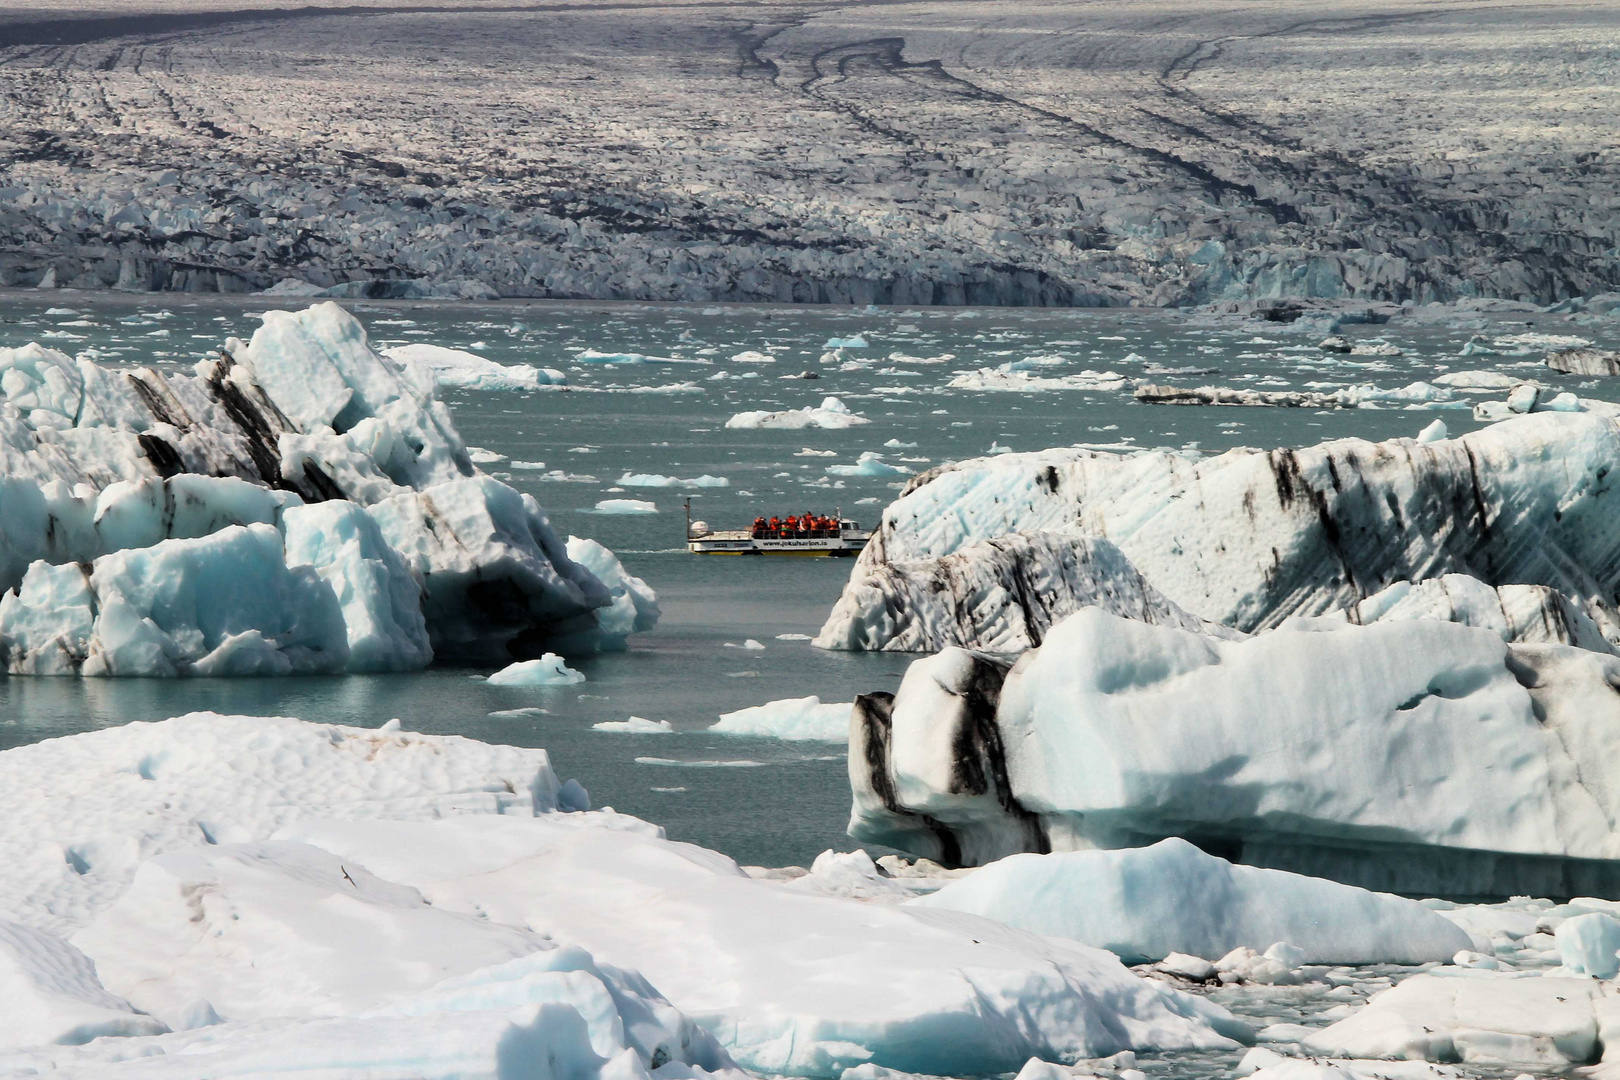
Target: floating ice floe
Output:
[
  {"x": 548, "y": 670},
  {"x": 1409, "y": 755},
  {"x": 635, "y": 725},
  {"x": 300, "y": 897},
  {"x": 97, "y": 463},
  {"x": 831, "y": 414},
  {"x": 1476, "y": 380},
  {"x": 654, "y": 480},
  {"x": 591, "y": 356},
  {"x": 626, "y": 506},
  {"x": 856, "y": 342},
  {"x": 463, "y": 370},
  {"x": 1248, "y": 538},
  {"x": 1145, "y": 903},
  {"x": 871, "y": 463},
  {"x": 795, "y": 719},
  {"x": 1551, "y": 1023},
  {"x": 1009, "y": 377}
]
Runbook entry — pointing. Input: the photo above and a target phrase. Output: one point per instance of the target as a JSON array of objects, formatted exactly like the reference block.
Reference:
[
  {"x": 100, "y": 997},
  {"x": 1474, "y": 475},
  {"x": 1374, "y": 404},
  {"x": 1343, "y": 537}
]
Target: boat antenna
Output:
[{"x": 689, "y": 517}]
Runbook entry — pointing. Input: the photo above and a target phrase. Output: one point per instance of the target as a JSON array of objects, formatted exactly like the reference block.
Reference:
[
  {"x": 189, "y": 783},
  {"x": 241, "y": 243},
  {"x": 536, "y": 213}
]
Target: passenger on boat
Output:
[{"x": 759, "y": 528}]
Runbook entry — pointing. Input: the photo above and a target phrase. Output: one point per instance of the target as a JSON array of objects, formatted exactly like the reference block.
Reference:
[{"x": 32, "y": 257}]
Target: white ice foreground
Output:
[
  {"x": 294, "y": 897},
  {"x": 1408, "y": 755},
  {"x": 329, "y": 473},
  {"x": 1245, "y": 538}
]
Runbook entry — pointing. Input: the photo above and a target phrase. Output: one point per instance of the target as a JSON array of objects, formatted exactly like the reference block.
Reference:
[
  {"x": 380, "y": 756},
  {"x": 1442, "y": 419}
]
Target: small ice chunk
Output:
[
  {"x": 871, "y": 463},
  {"x": 1588, "y": 944},
  {"x": 549, "y": 670},
  {"x": 1435, "y": 432}
]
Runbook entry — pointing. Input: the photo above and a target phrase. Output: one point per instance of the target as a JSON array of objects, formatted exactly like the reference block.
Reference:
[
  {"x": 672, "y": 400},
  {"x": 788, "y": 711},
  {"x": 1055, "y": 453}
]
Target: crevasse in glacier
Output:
[{"x": 358, "y": 499}]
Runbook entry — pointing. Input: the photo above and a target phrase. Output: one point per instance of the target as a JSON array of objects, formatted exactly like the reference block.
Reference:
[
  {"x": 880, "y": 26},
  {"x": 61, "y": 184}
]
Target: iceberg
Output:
[
  {"x": 1588, "y": 944},
  {"x": 635, "y": 725},
  {"x": 634, "y": 605},
  {"x": 496, "y": 579},
  {"x": 458, "y": 369},
  {"x": 223, "y": 604},
  {"x": 1582, "y": 360},
  {"x": 655, "y": 480},
  {"x": 871, "y": 463},
  {"x": 548, "y": 670},
  {"x": 626, "y": 506},
  {"x": 381, "y": 599},
  {"x": 96, "y": 462},
  {"x": 795, "y": 719},
  {"x": 832, "y": 414},
  {"x": 1145, "y": 903},
  {"x": 998, "y": 596},
  {"x": 1249, "y": 538},
  {"x": 1409, "y": 756}
]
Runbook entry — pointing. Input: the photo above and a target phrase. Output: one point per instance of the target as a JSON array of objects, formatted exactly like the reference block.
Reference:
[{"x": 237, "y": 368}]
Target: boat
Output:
[{"x": 834, "y": 537}]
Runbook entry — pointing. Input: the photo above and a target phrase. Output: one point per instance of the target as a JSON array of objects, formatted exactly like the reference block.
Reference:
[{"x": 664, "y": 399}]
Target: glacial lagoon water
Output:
[{"x": 762, "y": 801}]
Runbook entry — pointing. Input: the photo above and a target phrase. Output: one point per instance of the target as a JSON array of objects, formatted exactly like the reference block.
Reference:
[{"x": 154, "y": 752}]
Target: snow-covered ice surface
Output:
[
  {"x": 288, "y": 888},
  {"x": 1160, "y": 152}
]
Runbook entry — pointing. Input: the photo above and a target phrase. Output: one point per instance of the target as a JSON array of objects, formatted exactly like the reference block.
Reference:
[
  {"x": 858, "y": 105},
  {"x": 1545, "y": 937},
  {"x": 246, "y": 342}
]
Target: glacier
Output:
[
  {"x": 342, "y": 466},
  {"x": 1406, "y": 755},
  {"x": 240, "y": 894},
  {"x": 1248, "y": 538}
]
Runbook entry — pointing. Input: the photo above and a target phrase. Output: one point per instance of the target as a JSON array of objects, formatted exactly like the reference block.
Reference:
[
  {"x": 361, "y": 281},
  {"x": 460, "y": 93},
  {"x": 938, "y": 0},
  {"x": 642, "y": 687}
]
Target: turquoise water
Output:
[{"x": 775, "y": 803}]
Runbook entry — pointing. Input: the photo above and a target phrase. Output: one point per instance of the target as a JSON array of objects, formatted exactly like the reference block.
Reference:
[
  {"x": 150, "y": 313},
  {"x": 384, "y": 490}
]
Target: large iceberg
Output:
[
  {"x": 427, "y": 557},
  {"x": 1249, "y": 538},
  {"x": 286, "y": 896},
  {"x": 1000, "y": 595},
  {"x": 1146, "y": 903},
  {"x": 1406, "y": 755}
]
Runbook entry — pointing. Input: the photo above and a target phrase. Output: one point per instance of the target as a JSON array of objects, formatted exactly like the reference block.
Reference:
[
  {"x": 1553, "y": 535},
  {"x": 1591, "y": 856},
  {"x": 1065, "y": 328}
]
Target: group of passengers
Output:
[{"x": 796, "y": 527}]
